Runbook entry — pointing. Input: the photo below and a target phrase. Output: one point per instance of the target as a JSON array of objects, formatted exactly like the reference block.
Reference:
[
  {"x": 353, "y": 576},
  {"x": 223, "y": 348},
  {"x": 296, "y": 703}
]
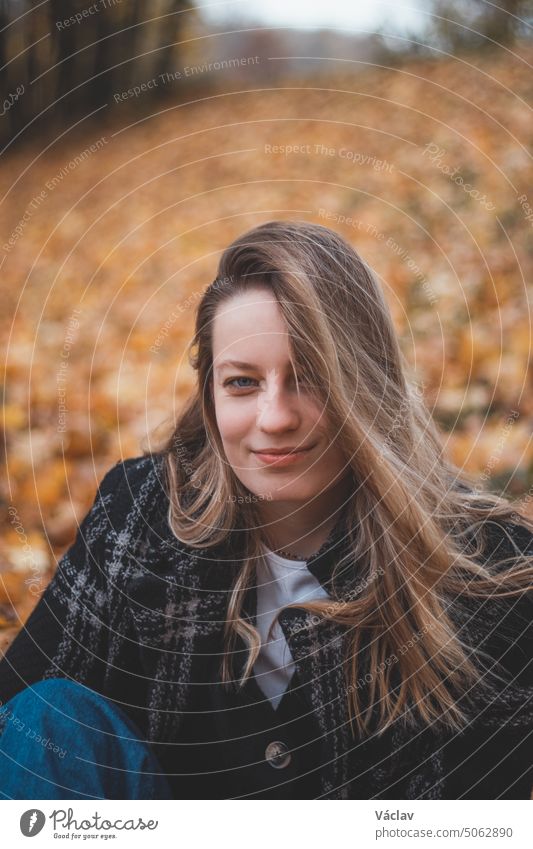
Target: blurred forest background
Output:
[{"x": 139, "y": 139}]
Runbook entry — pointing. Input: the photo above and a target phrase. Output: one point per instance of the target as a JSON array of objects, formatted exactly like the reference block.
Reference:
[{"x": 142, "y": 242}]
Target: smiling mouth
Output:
[
  {"x": 284, "y": 451},
  {"x": 283, "y": 459}
]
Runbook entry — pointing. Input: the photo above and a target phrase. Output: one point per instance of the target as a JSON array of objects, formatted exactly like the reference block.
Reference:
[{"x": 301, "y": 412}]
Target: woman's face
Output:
[{"x": 257, "y": 406}]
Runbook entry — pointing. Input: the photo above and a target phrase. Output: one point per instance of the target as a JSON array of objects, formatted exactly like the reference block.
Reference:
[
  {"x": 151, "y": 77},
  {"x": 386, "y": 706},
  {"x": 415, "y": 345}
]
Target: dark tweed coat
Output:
[{"x": 131, "y": 612}]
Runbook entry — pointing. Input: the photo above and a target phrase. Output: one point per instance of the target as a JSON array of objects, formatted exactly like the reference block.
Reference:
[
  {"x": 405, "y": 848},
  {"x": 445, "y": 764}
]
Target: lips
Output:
[
  {"x": 286, "y": 449},
  {"x": 274, "y": 457}
]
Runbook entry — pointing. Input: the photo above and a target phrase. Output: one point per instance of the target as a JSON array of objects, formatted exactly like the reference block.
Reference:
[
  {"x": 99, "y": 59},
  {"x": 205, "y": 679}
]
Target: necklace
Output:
[
  {"x": 283, "y": 552},
  {"x": 290, "y": 555}
]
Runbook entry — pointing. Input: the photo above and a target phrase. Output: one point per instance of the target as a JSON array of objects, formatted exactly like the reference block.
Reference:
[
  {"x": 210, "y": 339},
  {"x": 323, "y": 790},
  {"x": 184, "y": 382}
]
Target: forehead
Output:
[{"x": 250, "y": 322}]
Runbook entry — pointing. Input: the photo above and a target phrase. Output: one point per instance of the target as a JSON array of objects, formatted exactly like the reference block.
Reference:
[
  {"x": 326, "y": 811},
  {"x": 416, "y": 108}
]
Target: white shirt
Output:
[{"x": 279, "y": 582}]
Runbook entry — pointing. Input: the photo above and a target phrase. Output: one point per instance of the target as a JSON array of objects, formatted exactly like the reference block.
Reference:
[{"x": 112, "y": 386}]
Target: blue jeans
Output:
[{"x": 61, "y": 740}]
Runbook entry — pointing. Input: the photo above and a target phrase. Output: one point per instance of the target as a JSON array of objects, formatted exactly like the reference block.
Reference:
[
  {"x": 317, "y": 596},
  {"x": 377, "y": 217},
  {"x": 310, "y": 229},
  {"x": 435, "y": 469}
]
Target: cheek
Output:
[
  {"x": 232, "y": 423},
  {"x": 329, "y": 451},
  {"x": 335, "y": 461}
]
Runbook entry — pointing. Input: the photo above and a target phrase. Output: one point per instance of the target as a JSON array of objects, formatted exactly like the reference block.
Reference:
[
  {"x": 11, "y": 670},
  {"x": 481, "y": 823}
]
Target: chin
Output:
[{"x": 294, "y": 493}]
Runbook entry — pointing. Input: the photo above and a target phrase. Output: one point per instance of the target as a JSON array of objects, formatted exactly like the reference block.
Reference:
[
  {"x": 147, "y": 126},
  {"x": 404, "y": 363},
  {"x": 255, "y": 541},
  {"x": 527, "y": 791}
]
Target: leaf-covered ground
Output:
[{"x": 425, "y": 168}]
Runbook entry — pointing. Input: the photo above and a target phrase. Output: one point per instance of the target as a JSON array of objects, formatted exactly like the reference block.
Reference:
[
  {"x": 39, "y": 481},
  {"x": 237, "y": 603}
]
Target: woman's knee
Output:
[
  {"x": 61, "y": 702},
  {"x": 63, "y": 717},
  {"x": 49, "y": 690},
  {"x": 56, "y": 693}
]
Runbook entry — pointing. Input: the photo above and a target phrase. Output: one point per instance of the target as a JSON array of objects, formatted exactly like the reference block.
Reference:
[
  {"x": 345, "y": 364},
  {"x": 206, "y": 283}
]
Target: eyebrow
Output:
[{"x": 236, "y": 364}]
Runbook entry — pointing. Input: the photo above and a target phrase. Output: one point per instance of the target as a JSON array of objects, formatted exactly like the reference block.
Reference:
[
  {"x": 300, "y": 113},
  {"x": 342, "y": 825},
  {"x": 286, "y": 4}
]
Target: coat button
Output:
[{"x": 277, "y": 754}]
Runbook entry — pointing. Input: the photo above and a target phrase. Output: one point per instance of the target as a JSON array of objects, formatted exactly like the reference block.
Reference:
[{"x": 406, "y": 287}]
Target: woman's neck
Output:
[{"x": 303, "y": 530}]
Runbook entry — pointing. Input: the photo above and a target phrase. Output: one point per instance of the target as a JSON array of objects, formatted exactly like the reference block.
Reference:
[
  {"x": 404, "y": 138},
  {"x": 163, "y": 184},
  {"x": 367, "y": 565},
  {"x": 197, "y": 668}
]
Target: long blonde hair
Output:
[{"x": 416, "y": 521}]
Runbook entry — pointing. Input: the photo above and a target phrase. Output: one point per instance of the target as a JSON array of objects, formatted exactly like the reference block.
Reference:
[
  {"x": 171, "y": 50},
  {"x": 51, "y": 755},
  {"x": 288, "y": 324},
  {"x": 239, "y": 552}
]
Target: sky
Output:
[{"x": 350, "y": 15}]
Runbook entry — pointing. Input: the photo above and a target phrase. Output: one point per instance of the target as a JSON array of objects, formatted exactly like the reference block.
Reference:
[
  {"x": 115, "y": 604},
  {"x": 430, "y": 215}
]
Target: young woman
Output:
[{"x": 298, "y": 595}]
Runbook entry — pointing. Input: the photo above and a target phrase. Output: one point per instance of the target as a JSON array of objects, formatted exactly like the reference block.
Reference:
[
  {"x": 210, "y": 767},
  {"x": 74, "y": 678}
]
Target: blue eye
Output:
[{"x": 232, "y": 380}]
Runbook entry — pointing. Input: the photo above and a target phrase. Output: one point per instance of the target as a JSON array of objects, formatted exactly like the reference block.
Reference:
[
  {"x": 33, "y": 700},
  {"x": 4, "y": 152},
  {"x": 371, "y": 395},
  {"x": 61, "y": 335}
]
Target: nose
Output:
[{"x": 277, "y": 409}]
